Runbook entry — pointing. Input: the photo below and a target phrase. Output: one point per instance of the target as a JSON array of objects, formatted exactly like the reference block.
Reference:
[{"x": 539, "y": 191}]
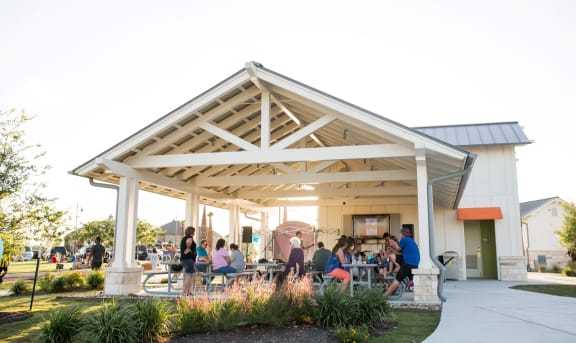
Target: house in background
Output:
[
  {"x": 173, "y": 233},
  {"x": 540, "y": 219}
]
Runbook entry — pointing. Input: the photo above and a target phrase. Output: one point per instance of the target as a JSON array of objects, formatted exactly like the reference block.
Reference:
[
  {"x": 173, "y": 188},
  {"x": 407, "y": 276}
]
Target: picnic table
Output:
[{"x": 364, "y": 274}]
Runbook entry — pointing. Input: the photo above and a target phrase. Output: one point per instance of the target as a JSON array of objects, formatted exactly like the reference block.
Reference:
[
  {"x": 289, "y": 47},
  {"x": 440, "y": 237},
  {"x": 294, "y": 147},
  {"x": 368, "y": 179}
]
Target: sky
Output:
[{"x": 95, "y": 72}]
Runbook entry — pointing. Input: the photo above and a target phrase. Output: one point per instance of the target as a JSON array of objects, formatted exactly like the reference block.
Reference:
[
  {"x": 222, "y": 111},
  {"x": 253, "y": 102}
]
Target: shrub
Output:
[
  {"x": 59, "y": 284},
  {"x": 74, "y": 280},
  {"x": 570, "y": 269},
  {"x": 62, "y": 325},
  {"x": 371, "y": 306},
  {"x": 20, "y": 287},
  {"x": 112, "y": 323},
  {"x": 353, "y": 334},
  {"x": 95, "y": 280},
  {"x": 542, "y": 268},
  {"x": 45, "y": 283},
  {"x": 153, "y": 319},
  {"x": 192, "y": 315},
  {"x": 335, "y": 308}
]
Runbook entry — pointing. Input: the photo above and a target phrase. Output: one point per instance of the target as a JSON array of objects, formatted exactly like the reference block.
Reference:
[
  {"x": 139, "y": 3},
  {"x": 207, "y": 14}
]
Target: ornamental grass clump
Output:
[
  {"x": 95, "y": 280},
  {"x": 153, "y": 319},
  {"x": 62, "y": 325},
  {"x": 20, "y": 287},
  {"x": 112, "y": 323}
]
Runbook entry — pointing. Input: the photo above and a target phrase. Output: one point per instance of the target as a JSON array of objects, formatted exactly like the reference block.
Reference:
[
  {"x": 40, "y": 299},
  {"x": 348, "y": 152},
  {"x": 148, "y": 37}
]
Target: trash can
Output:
[{"x": 450, "y": 261}]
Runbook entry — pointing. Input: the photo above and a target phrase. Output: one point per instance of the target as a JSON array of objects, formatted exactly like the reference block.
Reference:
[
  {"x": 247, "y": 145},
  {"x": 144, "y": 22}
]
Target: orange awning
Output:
[{"x": 479, "y": 213}]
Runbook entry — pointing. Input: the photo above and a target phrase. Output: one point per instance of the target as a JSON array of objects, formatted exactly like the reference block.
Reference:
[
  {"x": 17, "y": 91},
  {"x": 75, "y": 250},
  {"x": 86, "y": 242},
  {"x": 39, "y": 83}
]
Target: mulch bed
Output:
[{"x": 9, "y": 317}]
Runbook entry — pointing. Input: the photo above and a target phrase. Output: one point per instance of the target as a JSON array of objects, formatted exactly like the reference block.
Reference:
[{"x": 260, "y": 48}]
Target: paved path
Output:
[{"x": 489, "y": 311}]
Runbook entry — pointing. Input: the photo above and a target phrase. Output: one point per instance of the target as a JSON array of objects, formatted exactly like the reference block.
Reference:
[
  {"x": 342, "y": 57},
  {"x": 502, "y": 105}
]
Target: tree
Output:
[
  {"x": 146, "y": 233},
  {"x": 568, "y": 233},
  {"x": 23, "y": 209}
]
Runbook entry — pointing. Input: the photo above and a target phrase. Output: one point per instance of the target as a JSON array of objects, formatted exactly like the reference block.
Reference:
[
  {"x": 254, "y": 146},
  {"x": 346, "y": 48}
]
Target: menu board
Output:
[{"x": 370, "y": 225}]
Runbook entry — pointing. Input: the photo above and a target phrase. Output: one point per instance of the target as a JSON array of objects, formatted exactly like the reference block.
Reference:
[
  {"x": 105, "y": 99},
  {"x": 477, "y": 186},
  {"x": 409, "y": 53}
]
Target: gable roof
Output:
[
  {"x": 469, "y": 135},
  {"x": 260, "y": 138},
  {"x": 528, "y": 207}
]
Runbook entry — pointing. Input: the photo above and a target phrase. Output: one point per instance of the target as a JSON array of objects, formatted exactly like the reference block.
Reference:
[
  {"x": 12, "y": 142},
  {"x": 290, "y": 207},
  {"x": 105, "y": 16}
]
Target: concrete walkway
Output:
[{"x": 489, "y": 311}]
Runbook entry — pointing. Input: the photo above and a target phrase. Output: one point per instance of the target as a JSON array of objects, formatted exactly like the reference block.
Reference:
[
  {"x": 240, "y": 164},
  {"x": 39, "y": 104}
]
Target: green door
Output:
[{"x": 488, "y": 243}]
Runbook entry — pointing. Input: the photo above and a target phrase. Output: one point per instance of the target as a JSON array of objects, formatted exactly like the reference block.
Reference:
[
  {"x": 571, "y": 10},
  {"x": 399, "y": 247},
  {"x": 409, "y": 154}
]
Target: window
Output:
[{"x": 370, "y": 225}]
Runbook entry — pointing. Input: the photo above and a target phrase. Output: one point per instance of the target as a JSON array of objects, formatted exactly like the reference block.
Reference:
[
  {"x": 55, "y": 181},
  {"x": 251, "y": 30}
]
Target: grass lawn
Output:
[
  {"x": 551, "y": 289},
  {"x": 30, "y": 267}
]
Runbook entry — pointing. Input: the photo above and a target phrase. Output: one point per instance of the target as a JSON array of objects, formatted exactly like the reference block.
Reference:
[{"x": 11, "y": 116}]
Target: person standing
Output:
[
  {"x": 154, "y": 258},
  {"x": 295, "y": 263},
  {"x": 98, "y": 252},
  {"x": 320, "y": 257},
  {"x": 411, "y": 259},
  {"x": 188, "y": 257}
]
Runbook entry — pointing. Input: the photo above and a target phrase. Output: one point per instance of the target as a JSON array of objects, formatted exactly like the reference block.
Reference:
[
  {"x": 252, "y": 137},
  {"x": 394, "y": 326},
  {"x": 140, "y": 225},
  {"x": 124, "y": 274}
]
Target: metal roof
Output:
[
  {"x": 264, "y": 140},
  {"x": 478, "y": 134}
]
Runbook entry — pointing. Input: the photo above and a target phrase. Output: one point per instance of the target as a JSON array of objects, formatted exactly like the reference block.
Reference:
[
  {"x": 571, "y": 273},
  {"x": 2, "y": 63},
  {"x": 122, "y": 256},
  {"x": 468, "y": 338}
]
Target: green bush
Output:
[
  {"x": 570, "y": 269},
  {"x": 335, "y": 308},
  {"x": 192, "y": 315},
  {"x": 371, "y": 306},
  {"x": 20, "y": 287},
  {"x": 59, "y": 284},
  {"x": 62, "y": 325},
  {"x": 353, "y": 334},
  {"x": 153, "y": 319},
  {"x": 112, "y": 323},
  {"x": 45, "y": 283},
  {"x": 74, "y": 280},
  {"x": 95, "y": 280}
]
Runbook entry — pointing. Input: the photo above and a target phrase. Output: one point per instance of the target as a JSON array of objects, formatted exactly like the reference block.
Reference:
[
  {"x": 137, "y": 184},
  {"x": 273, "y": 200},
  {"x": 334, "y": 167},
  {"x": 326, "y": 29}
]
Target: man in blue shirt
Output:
[{"x": 411, "y": 256}]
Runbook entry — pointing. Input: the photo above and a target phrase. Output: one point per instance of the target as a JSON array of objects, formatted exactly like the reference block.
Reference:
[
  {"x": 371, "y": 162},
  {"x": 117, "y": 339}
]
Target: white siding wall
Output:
[{"x": 493, "y": 183}]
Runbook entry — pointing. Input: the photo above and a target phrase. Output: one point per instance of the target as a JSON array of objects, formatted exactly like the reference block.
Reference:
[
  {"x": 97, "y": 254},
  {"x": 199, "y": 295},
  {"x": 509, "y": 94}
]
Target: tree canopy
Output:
[
  {"x": 24, "y": 212},
  {"x": 567, "y": 234}
]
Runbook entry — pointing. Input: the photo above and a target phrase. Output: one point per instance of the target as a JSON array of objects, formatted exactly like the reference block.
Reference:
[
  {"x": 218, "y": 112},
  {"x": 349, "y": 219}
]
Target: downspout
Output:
[
  {"x": 114, "y": 187},
  {"x": 431, "y": 242}
]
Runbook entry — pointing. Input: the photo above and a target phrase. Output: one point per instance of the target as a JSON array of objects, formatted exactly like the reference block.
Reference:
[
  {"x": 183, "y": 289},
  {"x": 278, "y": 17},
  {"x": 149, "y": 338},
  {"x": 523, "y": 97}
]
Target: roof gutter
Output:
[{"x": 431, "y": 242}]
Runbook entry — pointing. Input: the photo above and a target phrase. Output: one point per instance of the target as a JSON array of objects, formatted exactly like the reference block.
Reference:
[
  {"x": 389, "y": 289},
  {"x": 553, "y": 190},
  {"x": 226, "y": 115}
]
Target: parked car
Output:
[
  {"x": 60, "y": 250},
  {"x": 141, "y": 253},
  {"x": 28, "y": 254}
]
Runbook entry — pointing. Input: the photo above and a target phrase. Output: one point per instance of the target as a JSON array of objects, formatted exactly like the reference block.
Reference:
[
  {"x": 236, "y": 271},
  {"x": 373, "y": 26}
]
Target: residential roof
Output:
[
  {"x": 478, "y": 134},
  {"x": 530, "y": 206}
]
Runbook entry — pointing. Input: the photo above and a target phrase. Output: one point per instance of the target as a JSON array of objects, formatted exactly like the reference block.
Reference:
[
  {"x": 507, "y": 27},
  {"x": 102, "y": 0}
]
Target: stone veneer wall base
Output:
[
  {"x": 513, "y": 268},
  {"x": 425, "y": 285}
]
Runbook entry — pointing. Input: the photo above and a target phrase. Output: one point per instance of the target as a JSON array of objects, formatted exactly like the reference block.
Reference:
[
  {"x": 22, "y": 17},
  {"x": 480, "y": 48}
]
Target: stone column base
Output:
[
  {"x": 122, "y": 281},
  {"x": 513, "y": 268},
  {"x": 425, "y": 285}
]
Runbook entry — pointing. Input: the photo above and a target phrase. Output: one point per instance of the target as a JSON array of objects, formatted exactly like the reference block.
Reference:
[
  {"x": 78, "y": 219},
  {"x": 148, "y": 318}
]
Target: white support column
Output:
[
  {"x": 422, "y": 186},
  {"x": 192, "y": 216},
  {"x": 426, "y": 276},
  {"x": 234, "y": 222},
  {"x": 123, "y": 275}
]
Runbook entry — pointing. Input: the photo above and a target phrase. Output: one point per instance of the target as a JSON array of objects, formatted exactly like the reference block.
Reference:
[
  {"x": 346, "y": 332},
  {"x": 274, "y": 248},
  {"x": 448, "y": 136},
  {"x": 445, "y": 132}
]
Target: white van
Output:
[{"x": 28, "y": 254}]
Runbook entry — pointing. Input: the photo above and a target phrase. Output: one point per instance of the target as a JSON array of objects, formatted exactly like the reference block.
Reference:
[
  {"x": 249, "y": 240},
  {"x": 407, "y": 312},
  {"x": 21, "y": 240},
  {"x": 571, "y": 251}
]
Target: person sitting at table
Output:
[
  {"x": 202, "y": 258},
  {"x": 295, "y": 263},
  {"x": 320, "y": 257},
  {"x": 221, "y": 259},
  {"x": 236, "y": 258},
  {"x": 334, "y": 265}
]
